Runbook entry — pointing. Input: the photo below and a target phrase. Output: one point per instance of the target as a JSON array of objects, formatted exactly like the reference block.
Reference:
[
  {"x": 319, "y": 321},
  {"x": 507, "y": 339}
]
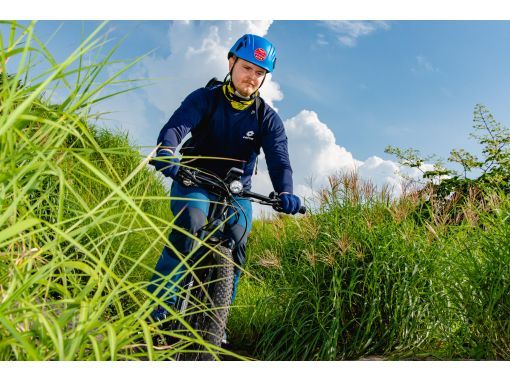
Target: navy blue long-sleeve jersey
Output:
[{"x": 232, "y": 135}]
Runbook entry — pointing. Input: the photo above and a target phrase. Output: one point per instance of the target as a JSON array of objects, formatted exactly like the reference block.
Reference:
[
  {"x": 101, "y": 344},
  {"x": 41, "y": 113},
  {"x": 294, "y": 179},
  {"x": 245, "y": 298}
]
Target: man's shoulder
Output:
[
  {"x": 202, "y": 95},
  {"x": 203, "y": 92},
  {"x": 270, "y": 114}
]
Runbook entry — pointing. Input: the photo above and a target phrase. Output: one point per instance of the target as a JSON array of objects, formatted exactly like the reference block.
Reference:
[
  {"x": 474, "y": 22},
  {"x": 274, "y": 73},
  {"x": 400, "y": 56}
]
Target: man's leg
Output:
[{"x": 192, "y": 213}]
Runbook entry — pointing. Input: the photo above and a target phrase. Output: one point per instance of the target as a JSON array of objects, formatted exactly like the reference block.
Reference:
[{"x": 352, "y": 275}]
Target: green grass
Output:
[
  {"x": 369, "y": 276},
  {"x": 82, "y": 218}
]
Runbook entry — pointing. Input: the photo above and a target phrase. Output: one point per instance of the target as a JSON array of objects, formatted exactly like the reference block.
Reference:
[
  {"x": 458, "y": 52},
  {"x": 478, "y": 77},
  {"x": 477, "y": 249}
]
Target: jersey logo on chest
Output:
[{"x": 249, "y": 136}]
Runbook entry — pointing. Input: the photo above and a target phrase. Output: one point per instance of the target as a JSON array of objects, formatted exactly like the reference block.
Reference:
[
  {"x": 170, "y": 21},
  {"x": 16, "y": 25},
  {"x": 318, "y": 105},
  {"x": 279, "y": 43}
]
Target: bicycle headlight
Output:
[{"x": 236, "y": 187}]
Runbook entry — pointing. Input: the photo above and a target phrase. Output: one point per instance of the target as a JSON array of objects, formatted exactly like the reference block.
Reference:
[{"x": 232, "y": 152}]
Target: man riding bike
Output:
[{"x": 229, "y": 123}]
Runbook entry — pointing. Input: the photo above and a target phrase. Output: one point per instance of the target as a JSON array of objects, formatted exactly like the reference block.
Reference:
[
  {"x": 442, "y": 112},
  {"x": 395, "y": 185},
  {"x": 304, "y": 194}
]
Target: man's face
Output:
[{"x": 246, "y": 76}]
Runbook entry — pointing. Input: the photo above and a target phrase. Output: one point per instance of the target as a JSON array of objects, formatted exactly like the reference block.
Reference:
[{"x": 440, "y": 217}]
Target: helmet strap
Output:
[
  {"x": 262, "y": 81},
  {"x": 229, "y": 75}
]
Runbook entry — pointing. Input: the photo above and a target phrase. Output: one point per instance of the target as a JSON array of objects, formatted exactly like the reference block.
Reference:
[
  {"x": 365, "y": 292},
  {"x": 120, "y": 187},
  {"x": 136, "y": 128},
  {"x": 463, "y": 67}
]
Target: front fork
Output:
[{"x": 214, "y": 234}]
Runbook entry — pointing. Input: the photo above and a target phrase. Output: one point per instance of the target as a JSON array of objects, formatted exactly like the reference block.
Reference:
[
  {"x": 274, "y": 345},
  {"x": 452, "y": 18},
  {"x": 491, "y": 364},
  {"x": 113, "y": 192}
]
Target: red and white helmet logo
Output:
[{"x": 260, "y": 54}]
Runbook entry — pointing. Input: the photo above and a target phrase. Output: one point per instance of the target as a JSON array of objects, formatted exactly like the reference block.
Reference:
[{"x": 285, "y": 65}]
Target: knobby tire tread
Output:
[{"x": 214, "y": 328}]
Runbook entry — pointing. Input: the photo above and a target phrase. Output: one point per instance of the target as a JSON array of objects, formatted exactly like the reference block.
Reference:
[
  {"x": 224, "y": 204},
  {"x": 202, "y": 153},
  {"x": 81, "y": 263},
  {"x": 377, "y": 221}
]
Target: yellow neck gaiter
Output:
[{"x": 235, "y": 101}]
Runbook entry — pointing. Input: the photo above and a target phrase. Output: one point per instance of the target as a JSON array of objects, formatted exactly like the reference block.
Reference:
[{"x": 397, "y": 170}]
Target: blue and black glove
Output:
[
  {"x": 166, "y": 163},
  {"x": 290, "y": 203}
]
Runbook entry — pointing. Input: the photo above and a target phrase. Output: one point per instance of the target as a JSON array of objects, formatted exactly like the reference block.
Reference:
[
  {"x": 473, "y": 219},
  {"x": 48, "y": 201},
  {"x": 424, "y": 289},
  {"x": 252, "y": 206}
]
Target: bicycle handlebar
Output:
[
  {"x": 188, "y": 177},
  {"x": 272, "y": 200}
]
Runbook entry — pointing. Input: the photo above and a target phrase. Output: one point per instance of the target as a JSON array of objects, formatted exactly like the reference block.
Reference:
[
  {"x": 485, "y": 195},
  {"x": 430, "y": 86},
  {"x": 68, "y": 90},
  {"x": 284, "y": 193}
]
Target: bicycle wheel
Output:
[
  {"x": 214, "y": 329},
  {"x": 206, "y": 304},
  {"x": 191, "y": 306}
]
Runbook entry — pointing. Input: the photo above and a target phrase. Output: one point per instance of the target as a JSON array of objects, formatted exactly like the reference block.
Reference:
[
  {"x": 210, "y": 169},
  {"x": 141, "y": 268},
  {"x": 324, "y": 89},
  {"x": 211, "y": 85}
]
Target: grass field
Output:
[{"x": 370, "y": 276}]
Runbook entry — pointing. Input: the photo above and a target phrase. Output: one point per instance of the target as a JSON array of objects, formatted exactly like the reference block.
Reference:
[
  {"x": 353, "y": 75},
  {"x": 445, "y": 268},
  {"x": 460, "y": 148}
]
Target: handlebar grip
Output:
[{"x": 302, "y": 209}]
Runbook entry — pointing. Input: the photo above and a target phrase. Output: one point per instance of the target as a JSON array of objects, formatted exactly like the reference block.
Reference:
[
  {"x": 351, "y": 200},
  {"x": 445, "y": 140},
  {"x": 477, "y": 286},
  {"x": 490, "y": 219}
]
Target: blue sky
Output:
[
  {"x": 345, "y": 89},
  {"x": 404, "y": 83}
]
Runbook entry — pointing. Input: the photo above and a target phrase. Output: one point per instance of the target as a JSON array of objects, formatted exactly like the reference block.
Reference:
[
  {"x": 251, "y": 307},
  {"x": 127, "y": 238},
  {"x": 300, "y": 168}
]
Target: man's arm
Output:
[
  {"x": 275, "y": 146},
  {"x": 274, "y": 143},
  {"x": 184, "y": 119}
]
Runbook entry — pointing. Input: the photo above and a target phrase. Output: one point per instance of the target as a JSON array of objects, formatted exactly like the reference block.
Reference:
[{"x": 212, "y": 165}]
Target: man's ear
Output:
[{"x": 231, "y": 61}]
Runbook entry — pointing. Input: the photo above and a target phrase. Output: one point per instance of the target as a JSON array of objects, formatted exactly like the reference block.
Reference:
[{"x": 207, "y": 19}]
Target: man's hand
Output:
[
  {"x": 290, "y": 203},
  {"x": 166, "y": 163}
]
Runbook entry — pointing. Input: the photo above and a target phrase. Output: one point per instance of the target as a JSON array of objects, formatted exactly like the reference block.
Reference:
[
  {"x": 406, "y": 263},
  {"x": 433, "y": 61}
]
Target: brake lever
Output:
[
  {"x": 277, "y": 203},
  {"x": 185, "y": 178}
]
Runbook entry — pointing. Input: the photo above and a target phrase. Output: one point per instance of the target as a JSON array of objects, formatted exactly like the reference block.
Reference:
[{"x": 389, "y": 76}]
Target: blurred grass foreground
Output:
[{"x": 82, "y": 219}]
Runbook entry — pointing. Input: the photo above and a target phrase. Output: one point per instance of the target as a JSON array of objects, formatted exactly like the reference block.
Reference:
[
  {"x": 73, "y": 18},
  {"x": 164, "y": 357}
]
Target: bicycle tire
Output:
[
  {"x": 214, "y": 329},
  {"x": 215, "y": 297}
]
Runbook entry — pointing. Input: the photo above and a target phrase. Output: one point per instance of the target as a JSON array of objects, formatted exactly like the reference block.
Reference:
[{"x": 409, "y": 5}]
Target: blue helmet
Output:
[{"x": 256, "y": 50}]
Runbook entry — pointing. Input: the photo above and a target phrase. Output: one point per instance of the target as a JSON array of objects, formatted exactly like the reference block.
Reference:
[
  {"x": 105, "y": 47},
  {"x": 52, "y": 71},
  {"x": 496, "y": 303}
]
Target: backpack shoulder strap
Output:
[
  {"x": 215, "y": 101},
  {"x": 198, "y": 134},
  {"x": 215, "y": 84},
  {"x": 259, "y": 109}
]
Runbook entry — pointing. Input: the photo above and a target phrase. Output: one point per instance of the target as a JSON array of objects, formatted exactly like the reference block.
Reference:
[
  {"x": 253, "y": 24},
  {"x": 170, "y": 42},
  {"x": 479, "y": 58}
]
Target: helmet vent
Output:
[{"x": 241, "y": 44}]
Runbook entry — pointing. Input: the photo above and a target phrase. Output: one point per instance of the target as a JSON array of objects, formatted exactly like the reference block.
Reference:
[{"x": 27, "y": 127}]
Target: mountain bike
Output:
[{"x": 205, "y": 292}]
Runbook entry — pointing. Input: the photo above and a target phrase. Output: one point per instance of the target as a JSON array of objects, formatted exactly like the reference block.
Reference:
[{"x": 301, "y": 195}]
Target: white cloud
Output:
[
  {"x": 348, "y": 32},
  {"x": 198, "y": 53},
  {"x": 423, "y": 65},
  {"x": 315, "y": 155},
  {"x": 313, "y": 145},
  {"x": 271, "y": 91},
  {"x": 127, "y": 112},
  {"x": 321, "y": 39}
]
